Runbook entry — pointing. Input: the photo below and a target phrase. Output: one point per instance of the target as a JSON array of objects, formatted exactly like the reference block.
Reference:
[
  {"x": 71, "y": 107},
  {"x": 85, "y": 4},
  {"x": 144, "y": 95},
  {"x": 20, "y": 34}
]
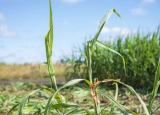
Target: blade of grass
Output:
[
  {"x": 23, "y": 102},
  {"x": 70, "y": 83},
  {"x": 51, "y": 26},
  {"x": 88, "y": 112},
  {"x": 155, "y": 110},
  {"x": 63, "y": 105},
  {"x": 134, "y": 92},
  {"x": 71, "y": 111},
  {"x": 102, "y": 23},
  {"x": 115, "y": 98},
  {"x": 8, "y": 113},
  {"x": 115, "y": 102},
  {"x": 155, "y": 87},
  {"x": 107, "y": 48},
  {"x": 67, "y": 96}
]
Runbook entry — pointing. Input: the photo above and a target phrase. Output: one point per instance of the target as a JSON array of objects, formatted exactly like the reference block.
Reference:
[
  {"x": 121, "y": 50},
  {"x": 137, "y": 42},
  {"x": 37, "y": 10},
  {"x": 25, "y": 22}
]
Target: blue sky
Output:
[{"x": 24, "y": 24}]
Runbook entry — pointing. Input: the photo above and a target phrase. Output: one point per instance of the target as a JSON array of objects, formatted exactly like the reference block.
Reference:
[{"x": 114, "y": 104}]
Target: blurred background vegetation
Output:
[
  {"x": 141, "y": 53},
  {"x": 27, "y": 71}
]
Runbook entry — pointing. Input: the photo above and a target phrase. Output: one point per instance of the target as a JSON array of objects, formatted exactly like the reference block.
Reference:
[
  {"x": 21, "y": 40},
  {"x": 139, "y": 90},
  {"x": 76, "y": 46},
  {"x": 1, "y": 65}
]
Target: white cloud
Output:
[
  {"x": 2, "y": 17},
  {"x": 118, "y": 31},
  {"x": 71, "y": 1},
  {"x": 109, "y": 39},
  {"x": 148, "y": 1},
  {"x": 139, "y": 11},
  {"x": 5, "y": 32}
]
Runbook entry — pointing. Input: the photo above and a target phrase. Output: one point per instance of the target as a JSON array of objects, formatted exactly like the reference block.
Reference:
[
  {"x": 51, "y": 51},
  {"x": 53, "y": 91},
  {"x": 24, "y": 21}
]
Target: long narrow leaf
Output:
[
  {"x": 115, "y": 98},
  {"x": 155, "y": 110},
  {"x": 155, "y": 87},
  {"x": 63, "y": 105},
  {"x": 8, "y": 113},
  {"x": 134, "y": 92},
  {"x": 70, "y": 83},
  {"x": 51, "y": 27},
  {"x": 67, "y": 96},
  {"x": 73, "y": 110},
  {"x": 20, "y": 110},
  {"x": 88, "y": 112},
  {"x": 102, "y": 24},
  {"x": 110, "y": 13},
  {"x": 107, "y": 48},
  {"x": 102, "y": 20},
  {"x": 115, "y": 102}
]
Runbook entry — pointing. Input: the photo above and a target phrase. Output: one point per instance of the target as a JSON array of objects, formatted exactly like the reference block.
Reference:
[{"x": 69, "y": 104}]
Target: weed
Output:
[{"x": 42, "y": 103}]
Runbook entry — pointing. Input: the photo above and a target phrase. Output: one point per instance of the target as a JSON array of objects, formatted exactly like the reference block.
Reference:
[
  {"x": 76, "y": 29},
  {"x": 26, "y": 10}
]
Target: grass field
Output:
[
  {"x": 12, "y": 72},
  {"x": 90, "y": 96},
  {"x": 13, "y": 94}
]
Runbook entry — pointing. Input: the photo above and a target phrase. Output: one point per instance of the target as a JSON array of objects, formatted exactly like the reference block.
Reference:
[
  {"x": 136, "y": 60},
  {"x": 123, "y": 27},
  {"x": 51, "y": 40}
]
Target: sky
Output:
[{"x": 24, "y": 24}]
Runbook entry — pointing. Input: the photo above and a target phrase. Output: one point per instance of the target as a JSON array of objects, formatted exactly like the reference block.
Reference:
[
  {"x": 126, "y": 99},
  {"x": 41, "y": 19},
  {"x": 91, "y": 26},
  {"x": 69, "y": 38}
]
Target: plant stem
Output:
[
  {"x": 89, "y": 61},
  {"x": 90, "y": 70},
  {"x": 50, "y": 66}
]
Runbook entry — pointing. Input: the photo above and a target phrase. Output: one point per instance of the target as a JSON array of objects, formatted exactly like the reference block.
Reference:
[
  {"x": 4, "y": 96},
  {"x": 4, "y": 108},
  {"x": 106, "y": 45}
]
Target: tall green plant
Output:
[
  {"x": 49, "y": 45},
  {"x": 54, "y": 103}
]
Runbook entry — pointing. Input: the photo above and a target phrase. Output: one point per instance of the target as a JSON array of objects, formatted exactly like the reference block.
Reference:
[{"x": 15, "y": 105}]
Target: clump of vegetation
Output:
[
  {"x": 40, "y": 102},
  {"x": 141, "y": 54}
]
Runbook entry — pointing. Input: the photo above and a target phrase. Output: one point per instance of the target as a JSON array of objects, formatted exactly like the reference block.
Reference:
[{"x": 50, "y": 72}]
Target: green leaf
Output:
[
  {"x": 107, "y": 48},
  {"x": 102, "y": 23},
  {"x": 155, "y": 110},
  {"x": 115, "y": 98},
  {"x": 8, "y": 113},
  {"x": 89, "y": 83},
  {"x": 88, "y": 112},
  {"x": 97, "y": 34},
  {"x": 110, "y": 13},
  {"x": 22, "y": 104},
  {"x": 133, "y": 113},
  {"x": 67, "y": 96},
  {"x": 73, "y": 110},
  {"x": 48, "y": 89},
  {"x": 115, "y": 102},
  {"x": 134, "y": 92},
  {"x": 70, "y": 83},
  {"x": 63, "y": 105},
  {"x": 51, "y": 27},
  {"x": 155, "y": 87},
  {"x": 102, "y": 20},
  {"x": 43, "y": 94}
]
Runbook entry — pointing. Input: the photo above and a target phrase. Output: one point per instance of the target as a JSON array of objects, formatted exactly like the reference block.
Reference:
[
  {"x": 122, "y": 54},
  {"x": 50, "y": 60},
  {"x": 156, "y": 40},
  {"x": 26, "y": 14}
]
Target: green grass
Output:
[
  {"x": 48, "y": 101},
  {"x": 78, "y": 95},
  {"x": 141, "y": 54}
]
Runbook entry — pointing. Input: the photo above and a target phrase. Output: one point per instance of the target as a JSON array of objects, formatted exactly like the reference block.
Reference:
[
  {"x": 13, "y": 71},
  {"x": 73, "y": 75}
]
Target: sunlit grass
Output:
[
  {"x": 39, "y": 101},
  {"x": 141, "y": 53},
  {"x": 27, "y": 71}
]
